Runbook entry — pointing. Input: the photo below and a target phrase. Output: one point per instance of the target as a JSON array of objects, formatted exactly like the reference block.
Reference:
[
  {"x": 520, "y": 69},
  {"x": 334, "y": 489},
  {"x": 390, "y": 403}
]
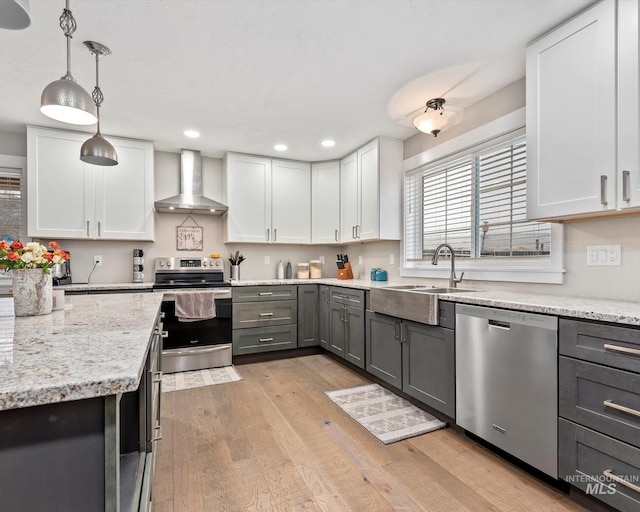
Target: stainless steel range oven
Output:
[{"x": 198, "y": 344}]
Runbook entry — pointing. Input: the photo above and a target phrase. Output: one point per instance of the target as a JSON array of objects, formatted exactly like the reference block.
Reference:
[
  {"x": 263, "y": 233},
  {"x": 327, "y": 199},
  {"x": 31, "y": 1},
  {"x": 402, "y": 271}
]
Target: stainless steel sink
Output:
[{"x": 411, "y": 302}]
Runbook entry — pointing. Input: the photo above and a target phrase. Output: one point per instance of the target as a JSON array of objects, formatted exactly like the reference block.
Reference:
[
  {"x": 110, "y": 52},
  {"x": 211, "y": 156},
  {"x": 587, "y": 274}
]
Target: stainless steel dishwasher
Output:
[{"x": 507, "y": 382}]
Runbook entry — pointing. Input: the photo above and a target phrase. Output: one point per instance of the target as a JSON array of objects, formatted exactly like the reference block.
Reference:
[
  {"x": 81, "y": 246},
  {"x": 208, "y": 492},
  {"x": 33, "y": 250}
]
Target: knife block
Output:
[{"x": 346, "y": 272}]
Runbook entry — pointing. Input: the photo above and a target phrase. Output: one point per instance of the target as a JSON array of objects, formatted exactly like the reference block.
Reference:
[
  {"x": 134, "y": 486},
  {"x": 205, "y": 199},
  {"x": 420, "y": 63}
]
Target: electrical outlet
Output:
[
  {"x": 603, "y": 255},
  {"x": 267, "y": 260},
  {"x": 322, "y": 260},
  {"x": 359, "y": 260},
  {"x": 97, "y": 260},
  {"x": 392, "y": 259}
]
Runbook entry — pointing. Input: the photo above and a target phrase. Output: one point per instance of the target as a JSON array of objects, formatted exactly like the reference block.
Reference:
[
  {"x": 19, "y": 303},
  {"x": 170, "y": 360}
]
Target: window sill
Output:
[{"x": 513, "y": 275}]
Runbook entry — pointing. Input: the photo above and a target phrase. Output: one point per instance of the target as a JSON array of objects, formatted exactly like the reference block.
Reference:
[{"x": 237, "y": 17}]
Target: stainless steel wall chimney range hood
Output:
[{"x": 190, "y": 199}]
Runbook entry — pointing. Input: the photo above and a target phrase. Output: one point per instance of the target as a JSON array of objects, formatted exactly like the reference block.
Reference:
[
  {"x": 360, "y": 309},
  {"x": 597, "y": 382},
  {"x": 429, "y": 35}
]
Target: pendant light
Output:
[
  {"x": 14, "y": 14},
  {"x": 64, "y": 100},
  {"x": 435, "y": 118},
  {"x": 97, "y": 150}
]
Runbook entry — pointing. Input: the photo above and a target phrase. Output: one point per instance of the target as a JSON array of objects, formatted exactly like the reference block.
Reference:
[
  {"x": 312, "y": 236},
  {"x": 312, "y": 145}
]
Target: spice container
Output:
[
  {"x": 315, "y": 269},
  {"x": 303, "y": 271}
]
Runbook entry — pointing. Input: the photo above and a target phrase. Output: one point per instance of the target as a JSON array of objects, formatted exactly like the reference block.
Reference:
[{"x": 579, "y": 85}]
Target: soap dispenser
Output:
[{"x": 280, "y": 270}]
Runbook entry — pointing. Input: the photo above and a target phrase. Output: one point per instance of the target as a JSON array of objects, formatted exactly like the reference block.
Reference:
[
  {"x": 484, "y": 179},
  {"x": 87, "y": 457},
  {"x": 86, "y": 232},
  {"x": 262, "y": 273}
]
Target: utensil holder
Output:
[{"x": 235, "y": 272}]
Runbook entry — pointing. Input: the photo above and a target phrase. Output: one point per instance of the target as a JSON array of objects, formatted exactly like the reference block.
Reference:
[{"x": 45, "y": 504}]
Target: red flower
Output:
[
  {"x": 16, "y": 245},
  {"x": 48, "y": 256},
  {"x": 13, "y": 256},
  {"x": 54, "y": 245},
  {"x": 4, "y": 245}
]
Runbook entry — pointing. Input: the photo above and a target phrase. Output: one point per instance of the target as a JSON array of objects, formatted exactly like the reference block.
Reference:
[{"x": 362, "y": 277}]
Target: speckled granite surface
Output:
[
  {"x": 83, "y": 287},
  {"x": 96, "y": 346}
]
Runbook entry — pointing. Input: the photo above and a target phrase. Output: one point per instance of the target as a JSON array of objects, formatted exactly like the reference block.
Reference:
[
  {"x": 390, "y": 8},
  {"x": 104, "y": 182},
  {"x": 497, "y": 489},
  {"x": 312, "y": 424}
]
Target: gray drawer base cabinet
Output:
[
  {"x": 417, "y": 358},
  {"x": 599, "y": 408},
  {"x": 265, "y": 318},
  {"x": 325, "y": 317},
  {"x": 588, "y": 458}
]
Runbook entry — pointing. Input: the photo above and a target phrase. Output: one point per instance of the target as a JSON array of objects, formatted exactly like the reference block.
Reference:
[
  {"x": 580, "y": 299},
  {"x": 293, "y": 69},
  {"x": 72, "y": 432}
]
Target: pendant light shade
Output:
[
  {"x": 64, "y": 100},
  {"x": 98, "y": 150},
  {"x": 435, "y": 118},
  {"x": 14, "y": 14}
]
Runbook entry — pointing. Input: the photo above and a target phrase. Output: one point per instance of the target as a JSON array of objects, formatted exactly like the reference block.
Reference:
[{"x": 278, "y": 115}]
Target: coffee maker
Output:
[{"x": 61, "y": 273}]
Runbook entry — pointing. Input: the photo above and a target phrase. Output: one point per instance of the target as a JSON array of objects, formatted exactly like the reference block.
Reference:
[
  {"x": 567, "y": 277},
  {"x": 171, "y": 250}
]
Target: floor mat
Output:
[{"x": 199, "y": 378}]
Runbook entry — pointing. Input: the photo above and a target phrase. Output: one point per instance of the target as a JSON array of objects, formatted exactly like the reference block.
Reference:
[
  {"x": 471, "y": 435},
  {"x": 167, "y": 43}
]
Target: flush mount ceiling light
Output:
[
  {"x": 98, "y": 150},
  {"x": 14, "y": 14},
  {"x": 280, "y": 147},
  {"x": 193, "y": 134},
  {"x": 435, "y": 118},
  {"x": 328, "y": 143},
  {"x": 64, "y": 100}
]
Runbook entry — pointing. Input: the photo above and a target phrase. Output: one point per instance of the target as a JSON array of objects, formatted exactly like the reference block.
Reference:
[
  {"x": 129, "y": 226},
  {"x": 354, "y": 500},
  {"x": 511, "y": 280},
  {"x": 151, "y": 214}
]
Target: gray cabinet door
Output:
[
  {"x": 383, "y": 348},
  {"x": 354, "y": 335},
  {"x": 325, "y": 317},
  {"x": 308, "y": 315},
  {"x": 336, "y": 328},
  {"x": 428, "y": 362}
]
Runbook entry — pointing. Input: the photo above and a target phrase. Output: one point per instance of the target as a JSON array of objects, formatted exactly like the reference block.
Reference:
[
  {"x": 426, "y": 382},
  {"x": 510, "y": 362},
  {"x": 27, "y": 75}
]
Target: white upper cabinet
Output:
[
  {"x": 325, "y": 202},
  {"x": 269, "y": 200},
  {"x": 371, "y": 192},
  {"x": 583, "y": 115},
  {"x": 67, "y": 198},
  {"x": 248, "y": 196},
  {"x": 291, "y": 202}
]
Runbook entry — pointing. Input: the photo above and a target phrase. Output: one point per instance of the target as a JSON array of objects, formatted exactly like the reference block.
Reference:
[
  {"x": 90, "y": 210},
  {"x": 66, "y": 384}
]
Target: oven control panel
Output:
[{"x": 189, "y": 265}]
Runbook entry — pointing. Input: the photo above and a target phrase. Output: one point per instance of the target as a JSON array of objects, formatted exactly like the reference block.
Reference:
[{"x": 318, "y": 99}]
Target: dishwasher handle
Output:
[{"x": 499, "y": 325}]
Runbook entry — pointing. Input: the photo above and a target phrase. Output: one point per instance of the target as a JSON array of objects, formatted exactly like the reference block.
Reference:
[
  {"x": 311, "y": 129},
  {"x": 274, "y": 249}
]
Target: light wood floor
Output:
[{"x": 275, "y": 442}]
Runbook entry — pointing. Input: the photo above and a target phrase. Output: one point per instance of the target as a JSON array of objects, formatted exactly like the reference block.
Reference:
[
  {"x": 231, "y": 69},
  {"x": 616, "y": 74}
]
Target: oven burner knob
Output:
[
  {"x": 204, "y": 263},
  {"x": 217, "y": 263},
  {"x": 162, "y": 263},
  {"x": 168, "y": 263}
]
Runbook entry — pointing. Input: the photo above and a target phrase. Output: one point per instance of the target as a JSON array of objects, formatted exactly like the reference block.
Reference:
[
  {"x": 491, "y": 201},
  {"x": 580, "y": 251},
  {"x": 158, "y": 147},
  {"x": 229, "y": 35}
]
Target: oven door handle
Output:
[
  {"x": 190, "y": 351},
  {"x": 170, "y": 296}
]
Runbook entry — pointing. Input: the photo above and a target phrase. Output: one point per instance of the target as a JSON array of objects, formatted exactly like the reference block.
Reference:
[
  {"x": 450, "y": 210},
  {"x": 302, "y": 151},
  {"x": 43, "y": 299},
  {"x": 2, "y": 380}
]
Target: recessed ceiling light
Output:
[
  {"x": 280, "y": 147},
  {"x": 328, "y": 143},
  {"x": 192, "y": 133}
]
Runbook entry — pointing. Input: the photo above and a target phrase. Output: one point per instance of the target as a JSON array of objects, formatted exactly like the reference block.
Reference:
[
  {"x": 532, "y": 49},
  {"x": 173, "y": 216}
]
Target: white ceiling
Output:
[{"x": 251, "y": 73}]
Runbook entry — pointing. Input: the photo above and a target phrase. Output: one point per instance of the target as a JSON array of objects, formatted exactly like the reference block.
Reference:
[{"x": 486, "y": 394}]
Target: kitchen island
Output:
[{"x": 76, "y": 400}]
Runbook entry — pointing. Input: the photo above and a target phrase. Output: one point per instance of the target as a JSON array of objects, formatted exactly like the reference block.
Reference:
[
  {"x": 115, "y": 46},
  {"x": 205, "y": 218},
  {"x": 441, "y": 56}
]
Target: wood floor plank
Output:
[{"x": 273, "y": 442}]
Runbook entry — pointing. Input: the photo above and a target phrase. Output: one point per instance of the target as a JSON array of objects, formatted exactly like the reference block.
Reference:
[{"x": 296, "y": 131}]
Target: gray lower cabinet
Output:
[
  {"x": 308, "y": 315},
  {"x": 417, "y": 358},
  {"x": 324, "y": 319},
  {"x": 346, "y": 324},
  {"x": 265, "y": 318},
  {"x": 599, "y": 409}
]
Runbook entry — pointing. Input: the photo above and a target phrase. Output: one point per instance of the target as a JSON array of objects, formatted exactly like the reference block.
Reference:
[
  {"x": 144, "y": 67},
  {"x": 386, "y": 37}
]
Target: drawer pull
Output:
[
  {"x": 157, "y": 377},
  {"x": 265, "y": 340},
  {"x": 628, "y": 410},
  {"x": 262, "y": 294},
  {"x": 158, "y": 435},
  {"x": 266, "y": 314},
  {"x": 621, "y": 481},
  {"x": 625, "y": 350}
]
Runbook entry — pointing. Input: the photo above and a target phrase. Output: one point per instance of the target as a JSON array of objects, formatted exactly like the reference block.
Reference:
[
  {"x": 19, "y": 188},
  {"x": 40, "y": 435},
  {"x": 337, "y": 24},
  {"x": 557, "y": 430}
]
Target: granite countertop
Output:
[
  {"x": 95, "y": 347},
  {"x": 85, "y": 287}
]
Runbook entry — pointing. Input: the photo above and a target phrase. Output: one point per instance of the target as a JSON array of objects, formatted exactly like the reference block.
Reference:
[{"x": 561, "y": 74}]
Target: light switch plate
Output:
[
  {"x": 267, "y": 260},
  {"x": 604, "y": 255},
  {"x": 392, "y": 259},
  {"x": 359, "y": 260}
]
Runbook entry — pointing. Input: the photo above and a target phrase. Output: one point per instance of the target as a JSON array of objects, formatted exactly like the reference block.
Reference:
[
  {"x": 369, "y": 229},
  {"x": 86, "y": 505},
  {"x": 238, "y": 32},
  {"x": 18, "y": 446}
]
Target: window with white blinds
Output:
[
  {"x": 477, "y": 204},
  {"x": 11, "y": 216}
]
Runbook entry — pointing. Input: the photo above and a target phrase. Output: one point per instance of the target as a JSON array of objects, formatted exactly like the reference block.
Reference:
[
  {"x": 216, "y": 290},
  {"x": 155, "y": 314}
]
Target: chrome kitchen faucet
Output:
[{"x": 453, "y": 280}]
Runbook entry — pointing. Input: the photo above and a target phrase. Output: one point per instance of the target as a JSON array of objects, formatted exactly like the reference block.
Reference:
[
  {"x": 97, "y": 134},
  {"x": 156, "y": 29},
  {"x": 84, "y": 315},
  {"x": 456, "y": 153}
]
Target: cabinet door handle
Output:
[
  {"x": 622, "y": 408},
  {"x": 265, "y": 340},
  {"x": 404, "y": 330},
  {"x": 268, "y": 234},
  {"x": 624, "y": 350},
  {"x": 88, "y": 229},
  {"x": 341, "y": 317},
  {"x": 99, "y": 233},
  {"x": 626, "y": 186},
  {"x": 621, "y": 481},
  {"x": 275, "y": 234},
  {"x": 266, "y": 314},
  {"x": 357, "y": 230},
  {"x": 264, "y": 293},
  {"x": 158, "y": 436},
  {"x": 335, "y": 235},
  {"x": 353, "y": 232},
  {"x": 396, "y": 323},
  {"x": 346, "y": 317},
  {"x": 603, "y": 190}
]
